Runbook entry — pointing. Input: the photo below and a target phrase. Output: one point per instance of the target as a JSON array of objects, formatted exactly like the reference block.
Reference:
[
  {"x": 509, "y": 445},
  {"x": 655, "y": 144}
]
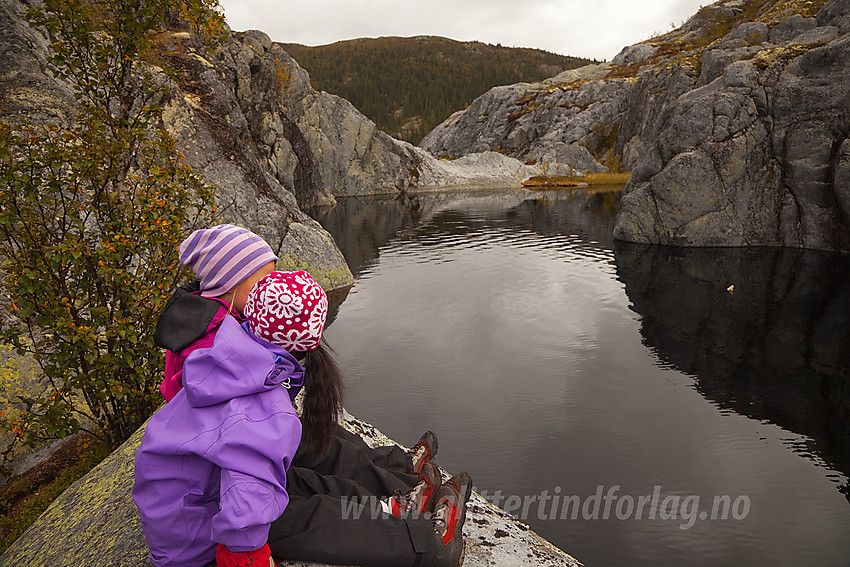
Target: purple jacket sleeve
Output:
[{"x": 254, "y": 457}]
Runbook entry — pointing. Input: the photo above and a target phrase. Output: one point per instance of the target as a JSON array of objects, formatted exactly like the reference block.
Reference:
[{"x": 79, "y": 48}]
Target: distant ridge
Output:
[{"x": 409, "y": 85}]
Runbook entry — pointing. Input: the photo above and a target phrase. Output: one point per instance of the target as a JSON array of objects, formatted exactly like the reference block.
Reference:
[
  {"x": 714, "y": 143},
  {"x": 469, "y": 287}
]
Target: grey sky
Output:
[{"x": 587, "y": 28}]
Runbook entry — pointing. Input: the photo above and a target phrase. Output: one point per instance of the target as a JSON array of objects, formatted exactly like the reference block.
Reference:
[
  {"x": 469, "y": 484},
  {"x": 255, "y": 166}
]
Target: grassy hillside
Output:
[{"x": 409, "y": 85}]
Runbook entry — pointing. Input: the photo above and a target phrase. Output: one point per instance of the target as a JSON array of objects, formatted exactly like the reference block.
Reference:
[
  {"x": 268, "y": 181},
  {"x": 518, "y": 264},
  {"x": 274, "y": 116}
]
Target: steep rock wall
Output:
[
  {"x": 735, "y": 127},
  {"x": 759, "y": 154},
  {"x": 320, "y": 147},
  {"x": 209, "y": 127},
  {"x": 246, "y": 118}
]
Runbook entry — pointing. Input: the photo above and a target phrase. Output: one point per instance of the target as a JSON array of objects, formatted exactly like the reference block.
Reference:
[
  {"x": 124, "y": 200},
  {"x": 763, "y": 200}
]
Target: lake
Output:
[{"x": 636, "y": 405}]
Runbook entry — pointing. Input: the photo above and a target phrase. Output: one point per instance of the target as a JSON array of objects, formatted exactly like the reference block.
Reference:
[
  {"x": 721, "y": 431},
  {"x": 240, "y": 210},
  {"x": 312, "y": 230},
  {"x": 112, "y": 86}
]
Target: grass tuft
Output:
[{"x": 591, "y": 179}]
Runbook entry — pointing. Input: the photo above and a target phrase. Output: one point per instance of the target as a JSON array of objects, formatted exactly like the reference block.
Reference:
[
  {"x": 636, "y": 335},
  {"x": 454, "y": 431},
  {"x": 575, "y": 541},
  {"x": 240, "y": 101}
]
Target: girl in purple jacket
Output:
[{"x": 228, "y": 472}]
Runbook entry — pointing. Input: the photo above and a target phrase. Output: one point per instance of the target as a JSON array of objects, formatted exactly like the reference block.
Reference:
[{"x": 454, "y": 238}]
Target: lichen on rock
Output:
[{"x": 95, "y": 522}]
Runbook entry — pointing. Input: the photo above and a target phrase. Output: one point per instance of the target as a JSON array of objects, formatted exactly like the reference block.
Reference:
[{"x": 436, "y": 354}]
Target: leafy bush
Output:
[{"x": 91, "y": 214}]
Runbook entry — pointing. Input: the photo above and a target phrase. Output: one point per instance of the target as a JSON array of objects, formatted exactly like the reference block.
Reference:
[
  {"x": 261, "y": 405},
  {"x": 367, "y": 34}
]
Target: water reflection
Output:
[
  {"x": 361, "y": 226},
  {"x": 763, "y": 331},
  {"x": 499, "y": 321}
]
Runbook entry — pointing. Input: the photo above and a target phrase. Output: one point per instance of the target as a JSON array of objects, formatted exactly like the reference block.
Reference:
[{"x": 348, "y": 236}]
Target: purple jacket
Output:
[{"x": 212, "y": 464}]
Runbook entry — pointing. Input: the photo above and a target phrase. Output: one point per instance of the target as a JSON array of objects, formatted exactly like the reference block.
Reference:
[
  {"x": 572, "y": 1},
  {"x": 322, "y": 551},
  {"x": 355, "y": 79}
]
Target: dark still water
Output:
[{"x": 551, "y": 361}]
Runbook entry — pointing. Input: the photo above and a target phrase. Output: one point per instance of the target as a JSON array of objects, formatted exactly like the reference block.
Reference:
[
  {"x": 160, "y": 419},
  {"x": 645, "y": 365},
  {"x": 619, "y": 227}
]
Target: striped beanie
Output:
[{"x": 223, "y": 256}]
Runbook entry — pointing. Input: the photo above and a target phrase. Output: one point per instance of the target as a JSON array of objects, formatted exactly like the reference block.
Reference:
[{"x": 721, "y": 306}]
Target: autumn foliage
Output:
[{"x": 91, "y": 214}]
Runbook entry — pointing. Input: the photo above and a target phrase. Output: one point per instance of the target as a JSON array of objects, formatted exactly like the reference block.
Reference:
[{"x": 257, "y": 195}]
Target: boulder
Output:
[
  {"x": 751, "y": 33},
  {"x": 791, "y": 27},
  {"x": 95, "y": 522},
  {"x": 637, "y": 53}
]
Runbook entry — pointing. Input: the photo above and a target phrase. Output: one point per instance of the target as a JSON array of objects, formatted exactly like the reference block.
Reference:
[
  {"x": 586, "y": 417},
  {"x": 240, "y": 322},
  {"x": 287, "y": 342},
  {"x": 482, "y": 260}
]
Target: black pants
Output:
[{"x": 321, "y": 522}]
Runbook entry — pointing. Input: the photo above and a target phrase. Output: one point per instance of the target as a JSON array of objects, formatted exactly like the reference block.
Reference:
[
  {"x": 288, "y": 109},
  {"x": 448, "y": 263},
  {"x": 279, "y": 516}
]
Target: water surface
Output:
[{"x": 551, "y": 361}]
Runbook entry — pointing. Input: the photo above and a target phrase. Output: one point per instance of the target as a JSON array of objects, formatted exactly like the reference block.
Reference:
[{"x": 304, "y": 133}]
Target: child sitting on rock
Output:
[{"x": 228, "y": 471}]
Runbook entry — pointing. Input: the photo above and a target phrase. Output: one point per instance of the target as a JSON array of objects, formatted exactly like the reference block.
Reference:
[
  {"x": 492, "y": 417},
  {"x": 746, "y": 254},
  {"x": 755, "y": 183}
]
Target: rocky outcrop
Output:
[
  {"x": 320, "y": 147},
  {"x": 209, "y": 126},
  {"x": 550, "y": 124},
  {"x": 759, "y": 154},
  {"x": 246, "y": 118},
  {"x": 735, "y": 127},
  {"x": 26, "y": 85},
  {"x": 95, "y": 522}
]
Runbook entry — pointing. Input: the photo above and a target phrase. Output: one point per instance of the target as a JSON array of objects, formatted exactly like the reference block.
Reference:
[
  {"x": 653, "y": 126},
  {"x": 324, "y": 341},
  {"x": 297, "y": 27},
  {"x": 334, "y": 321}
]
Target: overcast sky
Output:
[{"x": 596, "y": 29}]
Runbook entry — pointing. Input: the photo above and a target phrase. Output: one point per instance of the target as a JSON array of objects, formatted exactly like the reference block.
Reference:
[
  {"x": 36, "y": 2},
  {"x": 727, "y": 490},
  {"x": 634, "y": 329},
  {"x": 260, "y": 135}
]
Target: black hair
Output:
[{"x": 323, "y": 394}]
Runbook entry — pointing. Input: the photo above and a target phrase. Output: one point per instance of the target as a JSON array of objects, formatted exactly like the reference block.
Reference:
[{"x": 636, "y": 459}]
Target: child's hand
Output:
[{"x": 257, "y": 558}]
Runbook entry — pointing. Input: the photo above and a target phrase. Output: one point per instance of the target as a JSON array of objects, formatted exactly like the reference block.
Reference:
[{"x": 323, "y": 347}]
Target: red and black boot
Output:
[
  {"x": 421, "y": 498},
  {"x": 448, "y": 518},
  {"x": 423, "y": 451}
]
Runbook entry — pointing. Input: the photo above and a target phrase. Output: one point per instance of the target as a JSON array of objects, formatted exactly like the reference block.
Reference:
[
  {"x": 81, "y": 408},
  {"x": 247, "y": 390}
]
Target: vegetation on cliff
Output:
[
  {"x": 91, "y": 213},
  {"x": 409, "y": 85}
]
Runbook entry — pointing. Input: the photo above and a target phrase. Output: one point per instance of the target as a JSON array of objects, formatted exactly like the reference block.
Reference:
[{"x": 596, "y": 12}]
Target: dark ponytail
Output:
[{"x": 322, "y": 406}]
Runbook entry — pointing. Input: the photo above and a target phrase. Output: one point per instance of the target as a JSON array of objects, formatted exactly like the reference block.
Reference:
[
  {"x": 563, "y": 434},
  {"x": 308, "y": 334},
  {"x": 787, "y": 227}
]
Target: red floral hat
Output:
[{"x": 287, "y": 309}]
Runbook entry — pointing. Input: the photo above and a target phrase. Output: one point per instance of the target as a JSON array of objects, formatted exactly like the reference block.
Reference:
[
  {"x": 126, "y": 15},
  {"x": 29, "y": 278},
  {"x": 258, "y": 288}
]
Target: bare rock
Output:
[
  {"x": 751, "y": 33},
  {"x": 791, "y": 27},
  {"x": 637, "y": 53},
  {"x": 27, "y": 84},
  {"x": 755, "y": 157},
  {"x": 486, "y": 169},
  {"x": 817, "y": 36}
]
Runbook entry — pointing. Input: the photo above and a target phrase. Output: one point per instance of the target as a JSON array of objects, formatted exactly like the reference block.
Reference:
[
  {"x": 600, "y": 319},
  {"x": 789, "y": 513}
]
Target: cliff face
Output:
[
  {"x": 206, "y": 118},
  {"x": 758, "y": 153},
  {"x": 735, "y": 127},
  {"x": 247, "y": 119},
  {"x": 318, "y": 145},
  {"x": 554, "y": 123}
]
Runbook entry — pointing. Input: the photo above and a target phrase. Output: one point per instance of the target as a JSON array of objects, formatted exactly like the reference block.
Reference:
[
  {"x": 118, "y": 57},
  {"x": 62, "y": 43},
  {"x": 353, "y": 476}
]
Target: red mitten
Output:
[{"x": 257, "y": 558}]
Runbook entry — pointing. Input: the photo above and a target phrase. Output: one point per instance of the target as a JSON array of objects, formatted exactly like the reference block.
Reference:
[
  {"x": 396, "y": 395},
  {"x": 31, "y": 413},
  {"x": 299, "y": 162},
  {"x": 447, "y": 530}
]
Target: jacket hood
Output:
[
  {"x": 238, "y": 364},
  {"x": 186, "y": 318}
]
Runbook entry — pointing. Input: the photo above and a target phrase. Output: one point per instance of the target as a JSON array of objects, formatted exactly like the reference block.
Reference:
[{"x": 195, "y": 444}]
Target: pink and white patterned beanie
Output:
[{"x": 288, "y": 309}]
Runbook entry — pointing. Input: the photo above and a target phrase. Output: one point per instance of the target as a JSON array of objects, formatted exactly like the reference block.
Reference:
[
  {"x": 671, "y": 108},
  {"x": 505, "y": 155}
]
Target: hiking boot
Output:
[
  {"x": 423, "y": 451},
  {"x": 420, "y": 499},
  {"x": 448, "y": 517}
]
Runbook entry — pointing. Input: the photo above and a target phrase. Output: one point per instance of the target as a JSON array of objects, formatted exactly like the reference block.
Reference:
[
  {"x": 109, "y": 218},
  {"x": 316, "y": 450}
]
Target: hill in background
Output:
[{"x": 409, "y": 85}]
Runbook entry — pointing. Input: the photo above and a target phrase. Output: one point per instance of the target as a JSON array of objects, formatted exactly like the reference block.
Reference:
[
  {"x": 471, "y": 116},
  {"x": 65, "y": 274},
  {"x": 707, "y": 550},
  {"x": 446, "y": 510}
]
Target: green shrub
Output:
[{"x": 91, "y": 213}]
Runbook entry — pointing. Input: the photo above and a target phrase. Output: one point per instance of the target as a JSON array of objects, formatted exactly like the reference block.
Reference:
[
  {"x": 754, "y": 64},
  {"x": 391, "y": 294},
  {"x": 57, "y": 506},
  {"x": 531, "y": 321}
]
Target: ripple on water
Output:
[{"x": 507, "y": 328}]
